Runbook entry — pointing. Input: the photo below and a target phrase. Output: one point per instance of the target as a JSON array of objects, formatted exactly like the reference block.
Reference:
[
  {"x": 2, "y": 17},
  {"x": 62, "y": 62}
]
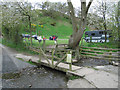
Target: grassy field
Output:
[
  {"x": 51, "y": 42},
  {"x": 104, "y": 45},
  {"x": 47, "y": 42},
  {"x": 84, "y": 43},
  {"x": 63, "y": 29}
]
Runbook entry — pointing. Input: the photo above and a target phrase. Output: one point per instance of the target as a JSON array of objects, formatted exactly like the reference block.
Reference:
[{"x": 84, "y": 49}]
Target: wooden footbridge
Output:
[
  {"x": 52, "y": 61},
  {"x": 64, "y": 63},
  {"x": 62, "y": 58}
]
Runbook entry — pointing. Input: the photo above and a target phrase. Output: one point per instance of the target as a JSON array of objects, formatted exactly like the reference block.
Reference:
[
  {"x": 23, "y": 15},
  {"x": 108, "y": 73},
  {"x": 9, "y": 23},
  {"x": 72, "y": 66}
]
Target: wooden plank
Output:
[
  {"x": 62, "y": 44},
  {"x": 62, "y": 65},
  {"x": 88, "y": 50},
  {"x": 101, "y": 57},
  {"x": 100, "y": 48},
  {"x": 50, "y": 56}
]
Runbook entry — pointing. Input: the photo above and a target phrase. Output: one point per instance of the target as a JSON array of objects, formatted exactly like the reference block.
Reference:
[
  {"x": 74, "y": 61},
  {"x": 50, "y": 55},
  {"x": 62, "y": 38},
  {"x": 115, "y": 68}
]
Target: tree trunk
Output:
[
  {"x": 119, "y": 19},
  {"x": 104, "y": 19},
  {"x": 77, "y": 34}
]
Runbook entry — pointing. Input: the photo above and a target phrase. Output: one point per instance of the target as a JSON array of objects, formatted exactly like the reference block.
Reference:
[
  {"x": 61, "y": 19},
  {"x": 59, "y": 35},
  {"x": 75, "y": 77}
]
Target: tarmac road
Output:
[{"x": 11, "y": 64}]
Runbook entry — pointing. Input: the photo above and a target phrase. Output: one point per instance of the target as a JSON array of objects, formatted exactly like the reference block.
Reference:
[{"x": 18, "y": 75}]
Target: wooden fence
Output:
[
  {"x": 92, "y": 52},
  {"x": 100, "y": 53}
]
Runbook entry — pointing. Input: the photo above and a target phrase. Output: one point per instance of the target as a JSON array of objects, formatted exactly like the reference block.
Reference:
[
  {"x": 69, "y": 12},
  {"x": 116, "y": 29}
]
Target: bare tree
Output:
[
  {"x": 104, "y": 8},
  {"x": 119, "y": 19},
  {"x": 78, "y": 32},
  {"x": 27, "y": 13}
]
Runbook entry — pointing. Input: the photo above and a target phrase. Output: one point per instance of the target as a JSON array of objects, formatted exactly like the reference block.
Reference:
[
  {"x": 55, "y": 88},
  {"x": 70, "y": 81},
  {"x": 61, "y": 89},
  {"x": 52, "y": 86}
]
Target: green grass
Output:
[
  {"x": 20, "y": 59},
  {"x": 20, "y": 48},
  {"x": 103, "y": 45},
  {"x": 73, "y": 77},
  {"x": 0, "y": 40},
  {"x": 30, "y": 62},
  {"x": 47, "y": 42},
  {"x": 63, "y": 29}
]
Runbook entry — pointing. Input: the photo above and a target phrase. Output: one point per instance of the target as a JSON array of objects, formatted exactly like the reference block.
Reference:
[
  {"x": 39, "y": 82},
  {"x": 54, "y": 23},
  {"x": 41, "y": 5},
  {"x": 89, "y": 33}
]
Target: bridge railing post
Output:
[
  {"x": 90, "y": 39},
  {"x": 69, "y": 59},
  {"x": 39, "y": 54},
  {"x": 110, "y": 53},
  {"x": 53, "y": 57},
  {"x": 44, "y": 45}
]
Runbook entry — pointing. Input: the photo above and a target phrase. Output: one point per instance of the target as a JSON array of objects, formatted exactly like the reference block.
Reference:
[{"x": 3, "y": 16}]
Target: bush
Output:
[
  {"x": 12, "y": 32},
  {"x": 53, "y": 23}
]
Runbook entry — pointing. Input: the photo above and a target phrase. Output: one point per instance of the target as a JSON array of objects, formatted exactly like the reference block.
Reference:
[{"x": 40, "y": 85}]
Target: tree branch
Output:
[
  {"x": 24, "y": 12},
  {"x": 72, "y": 14},
  {"x": 88, "y": 6}
]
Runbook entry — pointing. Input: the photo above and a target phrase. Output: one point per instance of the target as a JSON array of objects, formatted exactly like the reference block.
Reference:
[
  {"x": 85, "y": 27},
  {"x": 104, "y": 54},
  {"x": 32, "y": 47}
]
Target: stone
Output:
[
  {"x": 102, "y": 79},
  {"x": 30, "y": 85},
  {"x": 79, "y": 83}
]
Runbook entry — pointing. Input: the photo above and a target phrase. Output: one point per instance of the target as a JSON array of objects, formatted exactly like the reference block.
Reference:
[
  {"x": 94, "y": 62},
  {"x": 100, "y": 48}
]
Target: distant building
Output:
[{"x": 97, "y": 36}]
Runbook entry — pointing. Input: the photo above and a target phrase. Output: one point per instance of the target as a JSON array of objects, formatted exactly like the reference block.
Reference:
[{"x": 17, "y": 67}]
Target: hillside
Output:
[{"x": 59, "y": 25}]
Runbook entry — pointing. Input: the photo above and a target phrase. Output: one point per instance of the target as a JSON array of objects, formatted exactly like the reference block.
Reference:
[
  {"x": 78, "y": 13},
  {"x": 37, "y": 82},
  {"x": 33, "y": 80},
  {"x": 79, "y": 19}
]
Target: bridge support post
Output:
[
  {"x": 53, "y": 57},
  {"x": 90, "y": 39},
  {"x": 69, "y": 59},
  {"x": 110, "y": 61},
  {"x": 70, "y": 66},
  {"x": 44, "y": 45},
  {"x": 39, "y": 54}
]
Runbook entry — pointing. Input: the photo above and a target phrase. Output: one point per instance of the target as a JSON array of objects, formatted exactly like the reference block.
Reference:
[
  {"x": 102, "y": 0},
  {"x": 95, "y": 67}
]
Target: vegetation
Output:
[
  {"x": 30, "y": 62},
  {"x": 103, "y": 45},
  {"x": 62, "y": 29},
  {"x": 78, "y": 28},
  {"x": 52, "y": 21},
  {"x": 73, "y": 77}
]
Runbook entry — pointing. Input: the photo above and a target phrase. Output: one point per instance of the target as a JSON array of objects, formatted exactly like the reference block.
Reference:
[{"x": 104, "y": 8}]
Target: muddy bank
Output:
[
  {"x": 34, "y": 77},
  {"x": 91, "y": 62}
]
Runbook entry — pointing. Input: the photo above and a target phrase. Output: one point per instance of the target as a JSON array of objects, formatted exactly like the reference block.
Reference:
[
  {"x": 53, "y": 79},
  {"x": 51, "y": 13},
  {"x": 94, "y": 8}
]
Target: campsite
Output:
[{"x": 59, "y": 44}]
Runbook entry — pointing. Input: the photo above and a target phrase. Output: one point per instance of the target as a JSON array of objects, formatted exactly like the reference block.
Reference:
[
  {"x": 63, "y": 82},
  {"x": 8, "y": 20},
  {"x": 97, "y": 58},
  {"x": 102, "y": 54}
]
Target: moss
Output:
[
  {"x": 30, "y": 62},
  {"x": 11, "y": 75},
  {"x": 73, "y": 77}
]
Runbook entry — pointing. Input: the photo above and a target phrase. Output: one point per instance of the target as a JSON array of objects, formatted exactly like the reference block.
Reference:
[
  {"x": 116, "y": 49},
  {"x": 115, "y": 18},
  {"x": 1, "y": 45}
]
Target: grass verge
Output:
[{"x": 73, "y": 77}]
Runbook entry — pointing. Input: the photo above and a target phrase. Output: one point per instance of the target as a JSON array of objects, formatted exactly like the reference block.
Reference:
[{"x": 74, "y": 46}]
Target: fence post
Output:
[
  {"x": 39, "y": 54},
  {"x": 110, "y": 57},
  {"x": 52, "y": 58},
  {"x": 26, "y": 43},
  {"x": 90, "y": 39},
  {"x": 56, "y": 47},
  {"x": 44, "y": 45},
  {"x": 69, "y": 59}
]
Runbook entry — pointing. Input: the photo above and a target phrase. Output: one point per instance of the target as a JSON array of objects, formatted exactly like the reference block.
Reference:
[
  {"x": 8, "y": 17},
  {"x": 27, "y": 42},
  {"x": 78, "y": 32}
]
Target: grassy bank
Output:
[
  {"x": 20, "y": 48},
  {"x": 47, "y": 42},
  {"x": 103, "y": 45}
]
